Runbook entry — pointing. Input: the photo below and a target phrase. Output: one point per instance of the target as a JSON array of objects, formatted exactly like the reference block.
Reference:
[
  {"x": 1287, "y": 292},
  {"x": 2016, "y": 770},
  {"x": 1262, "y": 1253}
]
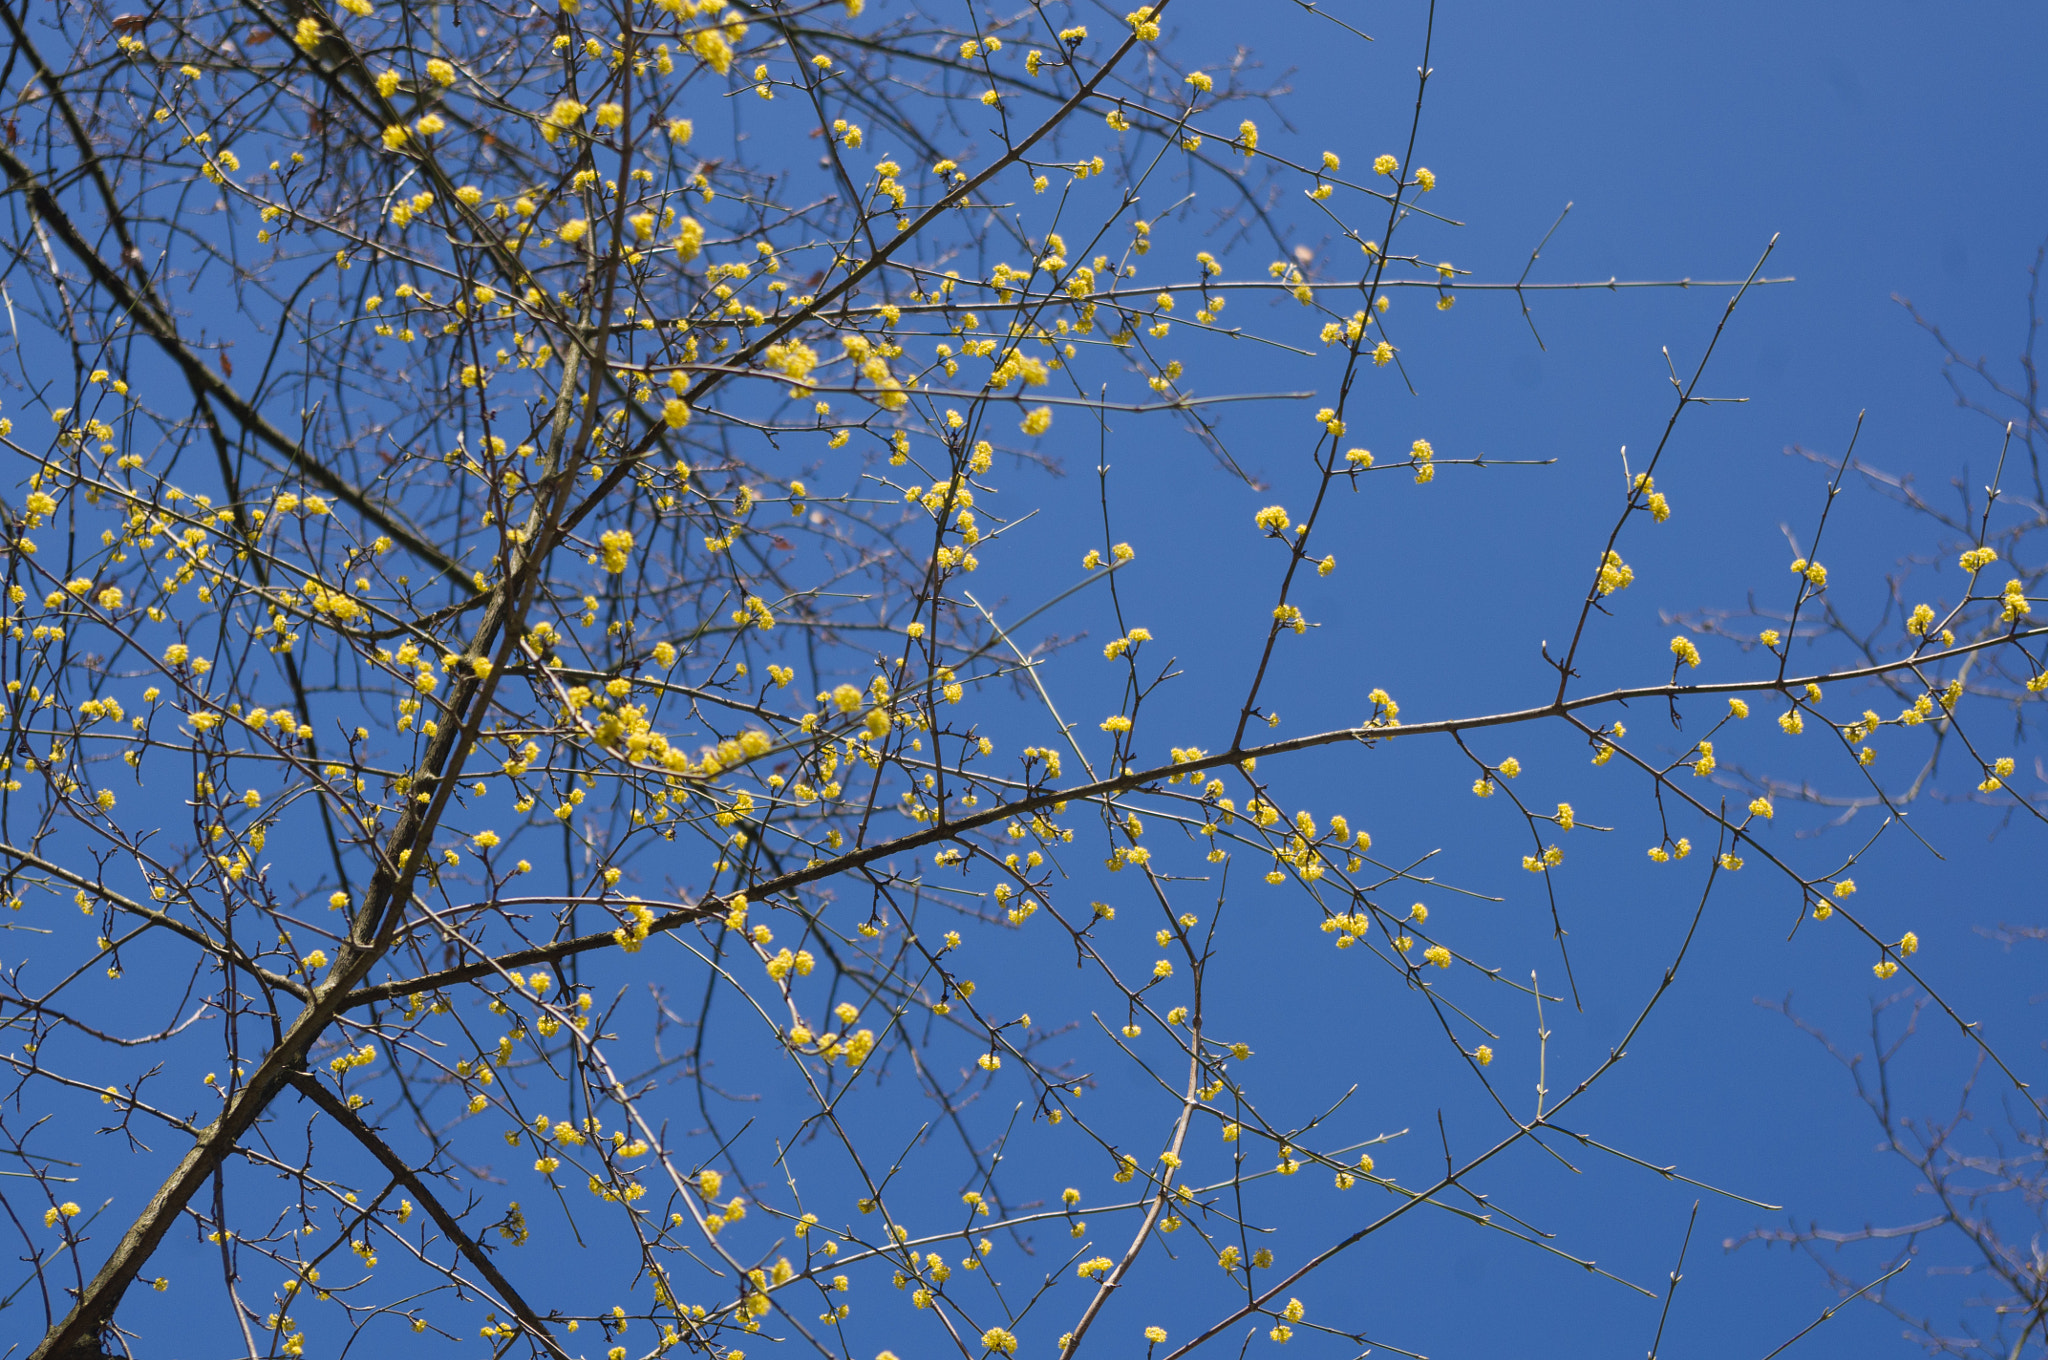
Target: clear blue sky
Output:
[{"x": 1895, "y": 150}]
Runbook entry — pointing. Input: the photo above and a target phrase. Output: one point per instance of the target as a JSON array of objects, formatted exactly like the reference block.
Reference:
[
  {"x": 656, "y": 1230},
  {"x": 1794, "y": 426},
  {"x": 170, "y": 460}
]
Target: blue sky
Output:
[{"x": 1888, "y": 149}]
